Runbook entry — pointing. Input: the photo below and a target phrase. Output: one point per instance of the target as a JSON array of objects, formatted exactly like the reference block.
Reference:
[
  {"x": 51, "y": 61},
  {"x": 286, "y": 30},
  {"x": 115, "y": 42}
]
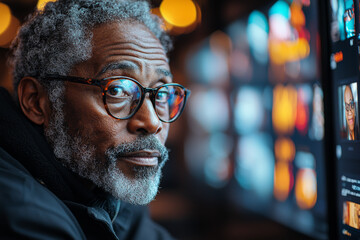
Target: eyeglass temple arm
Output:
[{"x": 88, "y": 81}]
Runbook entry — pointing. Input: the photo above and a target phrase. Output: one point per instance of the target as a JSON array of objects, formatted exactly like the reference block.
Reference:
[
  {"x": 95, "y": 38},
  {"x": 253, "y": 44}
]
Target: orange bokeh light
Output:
[
  {"x": 297, "y": 15},
  {"x": 284, "y": 109},
  {"x": 41, "y": 4},
  {"x": 177, "y": 30},
  {"x": 338, "y": 56},
  {"x": 306, "y": 188},
  {"x": 8, "y": 26},
  {"x": 283, "y": 180},
  {"x": 180, "y": 13},
  {"x": 5, "y": 17},
  {"x": 165, "y": 25},
  {"x": 281, "y": 52},
  {"x": 284, "y": 150}
]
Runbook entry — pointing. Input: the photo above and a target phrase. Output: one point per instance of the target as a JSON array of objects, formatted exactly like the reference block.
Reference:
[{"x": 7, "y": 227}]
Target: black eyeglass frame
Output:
[
  {"x": 105, "y": 82},
  {"x": 350, "y": 105}
]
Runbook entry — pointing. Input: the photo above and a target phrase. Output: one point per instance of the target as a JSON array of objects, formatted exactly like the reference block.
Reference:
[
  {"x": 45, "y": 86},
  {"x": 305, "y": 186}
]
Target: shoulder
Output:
[{"x": 29, "y": 209}]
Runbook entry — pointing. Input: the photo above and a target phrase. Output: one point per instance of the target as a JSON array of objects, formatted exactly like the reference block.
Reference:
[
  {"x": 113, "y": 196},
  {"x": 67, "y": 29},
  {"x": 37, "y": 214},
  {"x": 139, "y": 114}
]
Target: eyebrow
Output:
[
  {"x": 164, "y": 72},
  {"x": 132, "y": 67},
  {"x": 118, "y": 66}
]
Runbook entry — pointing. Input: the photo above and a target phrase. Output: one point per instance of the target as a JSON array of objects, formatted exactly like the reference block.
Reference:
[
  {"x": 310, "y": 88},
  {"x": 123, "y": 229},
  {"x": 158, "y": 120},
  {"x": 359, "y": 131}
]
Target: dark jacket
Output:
[{"x": 41, "y": 199}]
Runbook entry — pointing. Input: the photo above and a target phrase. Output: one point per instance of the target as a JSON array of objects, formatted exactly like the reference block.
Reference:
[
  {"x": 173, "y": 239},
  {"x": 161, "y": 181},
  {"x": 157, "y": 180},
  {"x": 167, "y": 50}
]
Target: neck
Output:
[{"x": 352, "y": 137}]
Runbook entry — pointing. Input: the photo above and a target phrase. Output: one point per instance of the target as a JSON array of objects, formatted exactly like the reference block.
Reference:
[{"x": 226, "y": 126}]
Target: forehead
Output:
[
  {"x": 129, "y": 43},
  {"x": 348, "y": 93}
]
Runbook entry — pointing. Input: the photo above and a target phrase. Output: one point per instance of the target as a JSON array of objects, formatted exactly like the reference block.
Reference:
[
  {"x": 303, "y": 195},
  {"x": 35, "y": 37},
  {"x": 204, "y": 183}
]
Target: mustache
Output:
[{"x": 149, "y": 142}]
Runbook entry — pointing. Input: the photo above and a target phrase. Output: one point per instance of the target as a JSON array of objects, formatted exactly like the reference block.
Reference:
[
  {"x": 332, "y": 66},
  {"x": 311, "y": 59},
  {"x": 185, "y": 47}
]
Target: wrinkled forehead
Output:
[
  {"x": 133, "y": 33},
  {"x": 130, "y": 45}
]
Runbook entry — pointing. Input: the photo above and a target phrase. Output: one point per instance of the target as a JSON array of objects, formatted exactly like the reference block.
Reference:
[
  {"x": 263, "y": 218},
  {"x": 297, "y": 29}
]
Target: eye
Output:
[
  {"x": 116, "y": 91},
  {"x": 162, "y": 95}
]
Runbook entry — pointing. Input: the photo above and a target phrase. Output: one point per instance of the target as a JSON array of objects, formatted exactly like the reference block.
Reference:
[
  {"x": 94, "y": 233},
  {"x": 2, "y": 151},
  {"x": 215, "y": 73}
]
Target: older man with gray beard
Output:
[{"x": 82, "y": 145}]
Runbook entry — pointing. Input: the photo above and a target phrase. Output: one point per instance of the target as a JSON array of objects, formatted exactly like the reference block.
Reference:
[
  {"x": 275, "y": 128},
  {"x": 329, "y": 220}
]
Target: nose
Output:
[
  {"x": 145, "y": 121},
  {"x": 350, "y": 112}
]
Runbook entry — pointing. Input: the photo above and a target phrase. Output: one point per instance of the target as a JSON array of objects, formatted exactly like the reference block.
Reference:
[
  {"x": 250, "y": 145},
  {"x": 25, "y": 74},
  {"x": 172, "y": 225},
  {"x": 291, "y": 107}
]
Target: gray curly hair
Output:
[{"x": 52, "y": 41}]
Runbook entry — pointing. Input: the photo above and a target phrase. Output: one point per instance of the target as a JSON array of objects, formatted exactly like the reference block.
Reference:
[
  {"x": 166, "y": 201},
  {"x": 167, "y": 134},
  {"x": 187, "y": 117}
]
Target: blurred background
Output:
[{"x": 247, "y": 156}]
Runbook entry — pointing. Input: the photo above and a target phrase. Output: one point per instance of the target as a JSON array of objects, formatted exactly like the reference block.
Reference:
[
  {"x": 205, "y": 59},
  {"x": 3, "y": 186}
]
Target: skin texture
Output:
[
  {"x": 350, "y": 115},
  {"x": 140, "y": 56},
  {"x": 119, "y": 49}
]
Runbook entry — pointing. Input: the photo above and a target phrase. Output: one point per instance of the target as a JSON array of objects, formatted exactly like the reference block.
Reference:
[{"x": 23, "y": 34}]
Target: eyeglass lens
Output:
[
  {"x": 123, "y": 97},
  {"x": 349, "y": 106},
  {"x": 169, "y": 101}
]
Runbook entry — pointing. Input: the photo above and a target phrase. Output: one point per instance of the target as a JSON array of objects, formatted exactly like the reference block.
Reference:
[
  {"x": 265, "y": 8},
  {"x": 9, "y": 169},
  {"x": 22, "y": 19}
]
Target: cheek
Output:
[
  {"x": 164, "y": 132},
  {"x": 97, "y": 129},
  {"x": 82, "y": 114},
  {"x": 86, "y": 116}
]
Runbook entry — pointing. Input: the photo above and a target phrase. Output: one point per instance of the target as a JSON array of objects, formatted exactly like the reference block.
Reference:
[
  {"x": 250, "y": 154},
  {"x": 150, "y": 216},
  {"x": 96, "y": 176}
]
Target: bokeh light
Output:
[
  {"x": 280, "y": 8},
  {"x": 42, "y": 3},
  {"x": 288, "y": 37},
  {"x": 255, "y": 164},
  {"x": 209, "y": 110},
  {"x": 305, "y": 188},
  {"x": 180, "y": 13},
  {"x": 306, "y": 183},
  {"x": 283, "y": 180},
  {"x": 279, "y": 16},
  {"x": 208, "y": 66},
  {"x": 165, "y": 25},
  {"x": 284, "y": 109},
  {"x": 8, "y": 26},
  {"x": 5, "y": 17},
  {"x": 317, "y": 122},
  {"x": 297, "y": 15},
  {"x": 283, "y": 174},
  {"x": 208, "y": 158},
  {"x": 281, "y": 52},
  {"x": 178, "y": 30},
  {"x": 257, "y": 33},
  {"x": 218, "y": 167},
  {"x": 284, "y": 149},
  {"x": 248, "y": 110},
  {"x": 305, "y": 159},
  {"x": 302, "y": 111}
]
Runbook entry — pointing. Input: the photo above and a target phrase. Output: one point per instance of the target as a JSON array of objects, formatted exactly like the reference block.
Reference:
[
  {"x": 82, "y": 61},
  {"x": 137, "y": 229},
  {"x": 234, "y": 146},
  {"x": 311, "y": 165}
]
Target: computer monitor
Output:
[
  {"x": 257, "y": 115},
  {"x": 343, "y": 31}
]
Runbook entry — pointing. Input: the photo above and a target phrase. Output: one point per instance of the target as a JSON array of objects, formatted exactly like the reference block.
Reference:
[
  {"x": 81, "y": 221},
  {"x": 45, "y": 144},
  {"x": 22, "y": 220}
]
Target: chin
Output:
[{"x": 139, "y": 189}]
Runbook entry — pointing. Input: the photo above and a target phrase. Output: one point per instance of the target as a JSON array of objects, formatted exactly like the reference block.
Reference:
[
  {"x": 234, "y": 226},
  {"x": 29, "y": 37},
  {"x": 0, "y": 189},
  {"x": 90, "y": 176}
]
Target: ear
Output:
[{"x": 33, "y": 100}]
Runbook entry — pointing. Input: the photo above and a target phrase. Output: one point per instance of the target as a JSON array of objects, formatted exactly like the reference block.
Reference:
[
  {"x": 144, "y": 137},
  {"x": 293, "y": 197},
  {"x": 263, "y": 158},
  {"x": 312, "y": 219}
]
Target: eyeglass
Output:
[
  {"x": 123, "y": 96},
  {"x": 349, "y": 105}
]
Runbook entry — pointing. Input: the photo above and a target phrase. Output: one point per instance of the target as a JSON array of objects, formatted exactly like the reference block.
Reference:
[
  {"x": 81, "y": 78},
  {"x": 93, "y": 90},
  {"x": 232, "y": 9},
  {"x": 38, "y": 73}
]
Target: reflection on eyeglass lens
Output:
[
  {"x": 348, "y": 15},
  {"x": 124, "y": 96},
  {"x": 350, "y": 106}
]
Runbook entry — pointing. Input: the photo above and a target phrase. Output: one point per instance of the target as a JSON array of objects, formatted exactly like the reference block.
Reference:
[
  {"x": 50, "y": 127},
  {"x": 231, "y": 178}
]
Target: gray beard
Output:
[{"x": 75, "y": 153}]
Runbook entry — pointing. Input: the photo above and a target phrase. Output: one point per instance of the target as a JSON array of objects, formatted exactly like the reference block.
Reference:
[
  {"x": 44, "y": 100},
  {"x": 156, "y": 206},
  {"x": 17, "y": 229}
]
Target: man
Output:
[
  {"x": 350, "y": 114},
  {"x": 83, "y": 146}
]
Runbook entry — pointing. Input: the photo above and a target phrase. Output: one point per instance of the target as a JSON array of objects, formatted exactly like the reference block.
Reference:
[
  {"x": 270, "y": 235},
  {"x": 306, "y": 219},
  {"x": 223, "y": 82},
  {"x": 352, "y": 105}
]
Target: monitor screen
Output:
[
  {"x": 257, "y": 118},
  {"x": 344, "y": 64}
]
